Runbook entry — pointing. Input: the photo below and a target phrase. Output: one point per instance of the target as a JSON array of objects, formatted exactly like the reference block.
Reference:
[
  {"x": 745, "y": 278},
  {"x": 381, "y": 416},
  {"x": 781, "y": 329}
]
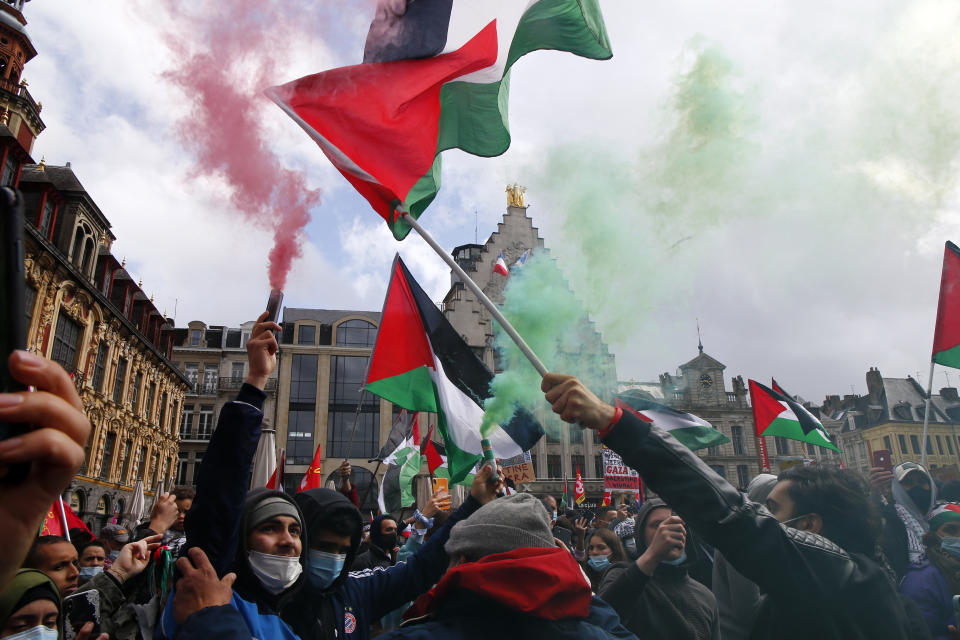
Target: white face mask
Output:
[
  {"x": 40, "y": 632},
  {"x": 275, "y": 573}
]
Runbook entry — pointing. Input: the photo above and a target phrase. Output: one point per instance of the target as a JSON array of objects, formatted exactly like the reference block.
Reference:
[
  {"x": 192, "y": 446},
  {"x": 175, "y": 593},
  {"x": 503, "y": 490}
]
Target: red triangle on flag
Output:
[{"x": 766, "y": 408}]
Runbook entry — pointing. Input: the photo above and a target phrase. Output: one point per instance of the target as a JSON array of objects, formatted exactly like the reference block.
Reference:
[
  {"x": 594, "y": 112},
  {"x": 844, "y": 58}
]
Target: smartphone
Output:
[
  {"x": 78, "y": 610},
  {"x": 881, "y": 458},
  {"x": 273, "y": 304},
  {"x": 13, "y": 333},
  {"x": 441, "y": 483}
]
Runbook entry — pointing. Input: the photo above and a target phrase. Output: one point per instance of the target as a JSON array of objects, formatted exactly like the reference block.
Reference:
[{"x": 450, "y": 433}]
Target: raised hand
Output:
[
  {"x": 574, "y": 402},
  {"x": 262, "y": 351}
]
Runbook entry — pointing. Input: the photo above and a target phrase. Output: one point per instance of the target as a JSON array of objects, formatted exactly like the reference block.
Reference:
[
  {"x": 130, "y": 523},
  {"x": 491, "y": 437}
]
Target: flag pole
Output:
[
  {"x": 477, "y": 291},
  {"x": 926, "y": 419},
  {"x": 63, "y": 518}
]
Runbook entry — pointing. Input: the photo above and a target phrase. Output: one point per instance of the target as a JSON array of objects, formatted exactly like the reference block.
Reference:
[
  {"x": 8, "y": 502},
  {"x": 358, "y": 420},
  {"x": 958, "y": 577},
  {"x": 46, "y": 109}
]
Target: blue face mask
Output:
[
  {"x": 40, "y": 632},
  {"x": 554, "y": 515},
  {"x": 86, "y": 573},
  {"x": 677, "y": 561},
  {"x": 324, "y": 567},
  {"x": 951, "y": 546},
  {"x": 599, "y": 563}
]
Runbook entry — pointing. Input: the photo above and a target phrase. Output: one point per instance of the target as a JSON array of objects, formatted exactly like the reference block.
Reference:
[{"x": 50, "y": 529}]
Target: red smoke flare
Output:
[{"x": 230, "y": 54}]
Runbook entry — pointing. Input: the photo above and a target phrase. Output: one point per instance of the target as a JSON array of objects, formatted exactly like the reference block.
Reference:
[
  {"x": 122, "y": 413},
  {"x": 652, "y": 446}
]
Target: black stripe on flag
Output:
[{"x": 419, "y": 31}]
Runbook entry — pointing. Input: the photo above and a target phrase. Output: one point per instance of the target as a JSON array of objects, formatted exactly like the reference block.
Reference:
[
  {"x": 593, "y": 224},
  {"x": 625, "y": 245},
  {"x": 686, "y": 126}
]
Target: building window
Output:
[
  {"x": 46, "y": 217},
  {"x": 713, "y": 451},
  {"x": 142, "y": 461},
  {"x": 100, "y": 366},
  {"x": 302, "y": 410},
  {"x": 915, "y": 444},
  {"x": 195, "y": 337},
  {"x": 307, "y": 334},
  {"x": 162, "y": 418},
  {"x": 598, "y": 466},
  {"x": 186, "y": 422},
  {"x": 346, "y": 380},
  {"x": 903, "y": 443},
  {"x": 182, "y": 463},
  {"x": 929, "y": 446},
  {"x": 736, "y": 435},
  {"x": 949, "y": 445},
  {"x": 29, "y": 298},
  {"x": 939, "y": 445},
  {"x": 783, "y": 446},
  {"x": 887, "y": 443},
  {"x": 196, "y": 467},
  {"x": 577, "y": 461},
  {"x": 135, "y": 391},
  {"x": 9, "y": 171},
  {"x": 127, "y": 461},
  {"x": 533, "y": 461},
  {"x": 356, "y": 333},
  {"x": 118, "y": 380},
  {"x": 719, "y": 469},
  {"x": 108, "y": 446},
  {"x": 743, "y": 476},
  {"x": 236, "y": 371},
  {"x": 553, "y": 435},
  {"x": 303, "y": 379},
  {"x": 205, "y": 429},
  {"x": 553, "y": 467},
  {"x": 811, "y": 449},
  {"x": 151, "y": 393},
  {"x": 576, "y": 434},
  {"x": 233, "y": 338},
  {"x": 300, "y": 436},
  {"x": 210, "y": 373},
  {"x": 65, "y": 340},
  {"x": 192, "y": 372}
]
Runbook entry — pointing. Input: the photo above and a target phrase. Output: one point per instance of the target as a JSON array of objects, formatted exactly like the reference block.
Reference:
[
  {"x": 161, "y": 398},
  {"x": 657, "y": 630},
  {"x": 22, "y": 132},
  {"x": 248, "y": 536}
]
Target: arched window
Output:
[
  {"x": 88, "y": 251},
  {"x": 77, "y": 244},
  {"x": 356, "y": 333}
]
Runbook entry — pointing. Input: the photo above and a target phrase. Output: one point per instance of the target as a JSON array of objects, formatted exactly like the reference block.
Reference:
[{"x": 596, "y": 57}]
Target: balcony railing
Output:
[{"x": 233, "y": 384}]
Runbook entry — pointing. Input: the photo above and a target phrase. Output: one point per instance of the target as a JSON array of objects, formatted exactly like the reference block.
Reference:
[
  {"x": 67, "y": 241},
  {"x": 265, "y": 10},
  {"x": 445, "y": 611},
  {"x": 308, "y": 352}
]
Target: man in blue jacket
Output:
[{"x": 324, "y": 601}]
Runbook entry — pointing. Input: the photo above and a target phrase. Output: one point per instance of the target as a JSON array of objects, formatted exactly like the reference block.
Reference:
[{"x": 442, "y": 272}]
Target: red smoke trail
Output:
[{"x": 231, "y": 53}]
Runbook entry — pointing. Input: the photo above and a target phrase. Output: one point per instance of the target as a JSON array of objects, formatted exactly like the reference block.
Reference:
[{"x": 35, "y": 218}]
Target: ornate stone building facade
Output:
[{"x": 84, "y": 311}]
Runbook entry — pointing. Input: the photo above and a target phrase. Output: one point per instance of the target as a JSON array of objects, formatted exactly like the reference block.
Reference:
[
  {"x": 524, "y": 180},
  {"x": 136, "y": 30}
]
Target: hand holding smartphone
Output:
[{"x": 883, "y": 460}]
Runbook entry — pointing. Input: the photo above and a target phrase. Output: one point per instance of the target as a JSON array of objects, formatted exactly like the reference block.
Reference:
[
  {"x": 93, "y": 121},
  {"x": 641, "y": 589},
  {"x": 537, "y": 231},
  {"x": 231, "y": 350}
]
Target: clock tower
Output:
[{"x": 19, "y": 112}]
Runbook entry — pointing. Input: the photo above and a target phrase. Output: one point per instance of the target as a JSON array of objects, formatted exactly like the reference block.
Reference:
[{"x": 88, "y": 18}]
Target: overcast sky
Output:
[{"x": 783, "y": 171}]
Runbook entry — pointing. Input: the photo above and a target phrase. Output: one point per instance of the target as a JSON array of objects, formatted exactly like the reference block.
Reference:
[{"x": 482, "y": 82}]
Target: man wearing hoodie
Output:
[
  {"x": 810, "y": 550},
  {"x": 382, "y": 548},
  {"x": 508, "y": 577},
  {"x": 305, "y": 580},
  {"x": 914, "y": 493},
  {"x": 653, "y": 594}
]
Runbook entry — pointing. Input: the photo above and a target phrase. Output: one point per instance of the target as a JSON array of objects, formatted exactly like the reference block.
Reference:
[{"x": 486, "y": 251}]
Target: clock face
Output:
[{"x": 706, "y": 381}]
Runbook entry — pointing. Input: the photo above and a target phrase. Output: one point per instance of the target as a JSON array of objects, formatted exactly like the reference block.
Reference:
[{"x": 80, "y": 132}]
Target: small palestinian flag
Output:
[
  {"x": 946, "y": 336},
  {"x": 501, "y": 266},
  {"x": 435, "y": 76},
  {"x": 421, "y": 363},
  {"x": 403, "y": 464},
  {"x": 778, "y": 414},
  {"x": 692, "y": 431},
  {"x": 942, "y": 514}
]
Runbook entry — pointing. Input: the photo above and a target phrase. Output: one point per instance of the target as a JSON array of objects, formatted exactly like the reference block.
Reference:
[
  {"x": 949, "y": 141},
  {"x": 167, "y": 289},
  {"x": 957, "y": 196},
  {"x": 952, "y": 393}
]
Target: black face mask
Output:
[
  {"x": 388, "y": 541},
  {"x": 920, "y": 497}
]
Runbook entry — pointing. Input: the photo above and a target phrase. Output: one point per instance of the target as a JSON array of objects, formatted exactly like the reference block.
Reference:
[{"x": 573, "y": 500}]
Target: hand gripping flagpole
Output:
[{"x": 487, "y": 447}]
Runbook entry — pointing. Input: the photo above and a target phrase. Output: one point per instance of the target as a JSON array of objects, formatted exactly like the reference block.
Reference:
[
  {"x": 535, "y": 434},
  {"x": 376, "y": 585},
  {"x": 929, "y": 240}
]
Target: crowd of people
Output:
[{"x": 815, "y": 552}]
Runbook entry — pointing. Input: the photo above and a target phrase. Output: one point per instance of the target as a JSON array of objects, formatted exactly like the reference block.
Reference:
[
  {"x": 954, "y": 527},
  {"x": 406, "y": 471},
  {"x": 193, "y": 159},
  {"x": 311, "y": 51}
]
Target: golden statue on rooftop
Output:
[{"x": 515, "y": 195}]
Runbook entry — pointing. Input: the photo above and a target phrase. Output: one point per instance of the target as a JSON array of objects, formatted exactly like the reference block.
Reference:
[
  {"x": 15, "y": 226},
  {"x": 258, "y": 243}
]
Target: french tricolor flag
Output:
[{"x": 501, "y": 266}]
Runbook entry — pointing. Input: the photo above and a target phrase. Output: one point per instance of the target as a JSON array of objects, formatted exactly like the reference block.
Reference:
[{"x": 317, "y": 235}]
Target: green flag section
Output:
[
  {"x": 777, "y": 414},
  {"x": 421, "y": 363},
  {"x": 946, "y": 336},
  {"x": 396, "y": 488},
  {"x": 692, "y": 431},
  {"x": 435, "y": 76}
]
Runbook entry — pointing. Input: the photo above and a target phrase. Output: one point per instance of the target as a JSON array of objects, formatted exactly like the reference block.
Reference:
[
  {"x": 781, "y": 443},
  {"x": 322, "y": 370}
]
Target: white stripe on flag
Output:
[{"x": 468, "y": 18}]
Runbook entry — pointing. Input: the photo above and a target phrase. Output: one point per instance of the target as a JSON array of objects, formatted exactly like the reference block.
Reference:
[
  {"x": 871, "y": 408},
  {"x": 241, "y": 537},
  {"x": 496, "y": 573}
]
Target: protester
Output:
[
  {"x": 507, "y": 578},
  {"x": 166, "y": 519},
  {"x": 914, "y": 494},
  {"x": 92, "y": 557},
  {"x": 57, "y": 558},
  {"x": 738, "y": 598},
  {"x": 603, "y": 550},
  {"x": 115, "y": 537},
  {"x": 383, "y": 545},
  {"x": 653, "y": 595},
  {"x": 604, "y": 518},
  {"x": 323, "y": 600},
  {"x": 817, "y": 573},
  {"x": 933, "y": 584},
  {"x": 347, "y": 488},
  {"x": 625, "y": 532},
  {"x": 54, "y": 449},
  {"x": 30, "y": 607}
]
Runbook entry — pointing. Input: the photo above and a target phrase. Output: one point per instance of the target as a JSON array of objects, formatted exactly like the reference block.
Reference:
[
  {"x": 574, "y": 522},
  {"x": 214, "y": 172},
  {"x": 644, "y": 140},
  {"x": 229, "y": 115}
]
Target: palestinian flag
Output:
[
  {"x": 946, "y": 336},
  {"x": 778, "y": 414},
  {"x": 565, "y": 497},
  {"x": 692, "y": 431},
  {"x": 435, "y": 76},
  {"x": 403, "y": 464},
  {"x": 421, "y": 363},
  {"x": 402, "y": 428}
]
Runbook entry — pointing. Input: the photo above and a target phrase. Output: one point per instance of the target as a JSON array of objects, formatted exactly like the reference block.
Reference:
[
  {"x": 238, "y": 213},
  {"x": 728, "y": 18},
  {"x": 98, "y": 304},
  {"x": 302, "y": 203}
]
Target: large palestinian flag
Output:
[
  {"x": 421, "y": 363},
  {"x": 946, "y": 336},
  {"x": 435, "y": 76},
  {"x": 777, "y": 414},
  {"x": 692, "y": 431}
]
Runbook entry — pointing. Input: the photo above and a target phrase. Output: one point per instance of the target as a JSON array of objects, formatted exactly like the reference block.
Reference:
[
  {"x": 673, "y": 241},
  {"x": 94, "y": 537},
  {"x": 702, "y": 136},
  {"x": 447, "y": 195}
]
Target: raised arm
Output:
[{"x": 213, "y": 521}]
